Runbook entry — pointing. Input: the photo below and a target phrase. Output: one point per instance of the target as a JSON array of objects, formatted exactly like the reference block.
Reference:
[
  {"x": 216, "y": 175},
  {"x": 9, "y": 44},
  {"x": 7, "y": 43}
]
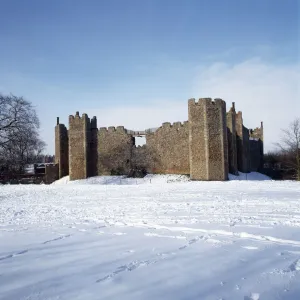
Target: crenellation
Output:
[
  {"x": 111, "y": 129},
  {"x": 192, "y": 101},
  {"x": 219, "y": 102},
  {"x": 177, "y": 124},
  {"x": 209, "y": 145},
  {"x": 94, "y": 122},
  {"x": 166, "y": 125},
  {"x": 121, "y": 129}
]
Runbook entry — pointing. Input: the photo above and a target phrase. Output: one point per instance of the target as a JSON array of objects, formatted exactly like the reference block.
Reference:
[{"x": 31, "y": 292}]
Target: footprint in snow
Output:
[
  {"x": 295, "y": 266},
  {"x": 128, "y": 267},
  {"x": 250, "y": 247},
  {"x": 13, "y": 254},
  {"x": 56, "y": 239},
  {"x": 253, "y": 296},
  {"x": 130, "y": 251}
]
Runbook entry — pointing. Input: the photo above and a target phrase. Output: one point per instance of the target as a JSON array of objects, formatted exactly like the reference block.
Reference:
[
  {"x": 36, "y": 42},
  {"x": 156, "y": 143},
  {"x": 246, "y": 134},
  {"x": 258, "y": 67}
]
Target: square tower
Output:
[
  {"x": 242, "y": 136},
  {"x": 231, "y": 137},
  {"x": 79, "y": 142},
  {"x": 62, "y": 149},
  {"x": 208, "y": 139}
]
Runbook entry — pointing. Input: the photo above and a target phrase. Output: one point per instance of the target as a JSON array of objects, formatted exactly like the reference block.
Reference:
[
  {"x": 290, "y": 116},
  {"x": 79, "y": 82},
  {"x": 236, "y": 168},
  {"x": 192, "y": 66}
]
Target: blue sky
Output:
[{"x": 135, "y": 63}]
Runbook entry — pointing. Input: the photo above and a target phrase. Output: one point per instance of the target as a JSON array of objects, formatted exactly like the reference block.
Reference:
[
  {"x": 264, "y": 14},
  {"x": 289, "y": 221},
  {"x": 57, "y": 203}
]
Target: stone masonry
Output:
[
  {"x": 231, "y": 138},
  {"x": 208, "y": 139},
  {"x": 168, "y": 149},
  {"x": 242, "y": 133},
  {"x": 208, "y": 146},
  {"x": 79, "y": 140},
  {"x": 62, "y": 149}
]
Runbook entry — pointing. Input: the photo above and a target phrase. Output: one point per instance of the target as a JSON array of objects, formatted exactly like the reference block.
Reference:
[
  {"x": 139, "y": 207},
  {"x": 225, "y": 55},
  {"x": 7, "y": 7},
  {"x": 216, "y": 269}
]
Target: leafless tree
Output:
[
  {"x": 290, "y": 147},
  {"x": 19, "y": 133}
]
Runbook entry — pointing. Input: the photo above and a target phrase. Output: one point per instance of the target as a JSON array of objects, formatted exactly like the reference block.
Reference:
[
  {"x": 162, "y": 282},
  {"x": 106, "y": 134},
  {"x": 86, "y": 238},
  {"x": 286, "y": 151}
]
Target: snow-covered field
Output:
[{"x": 161, "y": 237}]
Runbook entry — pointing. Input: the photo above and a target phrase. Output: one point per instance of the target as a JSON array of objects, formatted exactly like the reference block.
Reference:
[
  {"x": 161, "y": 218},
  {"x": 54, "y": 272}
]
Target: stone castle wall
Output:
[
  {"x": 141, "y": 158},
  {"x": 51, "y": 173},
  {"x": 208, "y": 146},
  {"x": 114, "y": 151},
  {"x": 169, "y": 149}
]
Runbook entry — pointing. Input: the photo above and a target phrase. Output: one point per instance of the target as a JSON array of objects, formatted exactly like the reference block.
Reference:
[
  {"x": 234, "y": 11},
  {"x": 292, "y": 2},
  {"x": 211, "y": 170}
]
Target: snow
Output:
[{"x": 158, "y": 237}]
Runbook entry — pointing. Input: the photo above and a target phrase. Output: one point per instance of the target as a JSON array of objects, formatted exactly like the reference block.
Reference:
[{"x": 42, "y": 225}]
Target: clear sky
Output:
[{"x": 136, "y": 63}]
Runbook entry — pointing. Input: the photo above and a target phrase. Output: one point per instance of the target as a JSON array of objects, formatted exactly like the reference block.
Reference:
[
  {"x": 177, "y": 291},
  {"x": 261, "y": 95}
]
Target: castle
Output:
[{"x": 211, "y": 144}]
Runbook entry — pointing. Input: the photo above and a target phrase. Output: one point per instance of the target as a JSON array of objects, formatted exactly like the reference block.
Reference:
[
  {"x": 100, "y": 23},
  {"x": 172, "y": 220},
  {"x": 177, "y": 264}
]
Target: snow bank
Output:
[
  {"x": 249, "y": 176},
  {"x": 123, "y": 180},
  {"x": 151, "y": 179}
]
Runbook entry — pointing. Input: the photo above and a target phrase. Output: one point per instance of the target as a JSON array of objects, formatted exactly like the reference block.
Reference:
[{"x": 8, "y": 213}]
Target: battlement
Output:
[
  {"x": 257, "y": 133},
  {"x": 77, "y": 118},
  {"x": 94, "y": 123},
  {"x": 112, "y": 129},
  {"x": 207, "y": 102},
  {"x": 166, "y": 125},
  {"x": 176, "y": 126},
  {"x": 103, "y": 129},
  {"x": 239, "y": 120},
  {"x": 61, "y": 126},
  {"x": 232, "y": 108}
]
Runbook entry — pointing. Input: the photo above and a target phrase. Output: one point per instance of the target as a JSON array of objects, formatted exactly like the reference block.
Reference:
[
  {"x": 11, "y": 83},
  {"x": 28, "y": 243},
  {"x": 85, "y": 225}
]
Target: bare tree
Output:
[
  {"x": 19, "y": 133},
  {"x": 290, "y": 147}
]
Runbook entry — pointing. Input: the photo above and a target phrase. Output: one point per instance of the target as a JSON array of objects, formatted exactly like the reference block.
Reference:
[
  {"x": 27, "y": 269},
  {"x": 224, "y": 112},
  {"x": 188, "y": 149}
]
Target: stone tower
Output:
[
  {"x": 61, "y": 149},
  {"x": 257, "y": 147},
  {"x": 208, "y": 139},
  {"x": 79, "y": 142},
  {"x": 258, "y": 133},
  {"x": 93, "y": 148},
  {"x": 242, "y": 144},
  {"x": 231, "y": 137}
]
